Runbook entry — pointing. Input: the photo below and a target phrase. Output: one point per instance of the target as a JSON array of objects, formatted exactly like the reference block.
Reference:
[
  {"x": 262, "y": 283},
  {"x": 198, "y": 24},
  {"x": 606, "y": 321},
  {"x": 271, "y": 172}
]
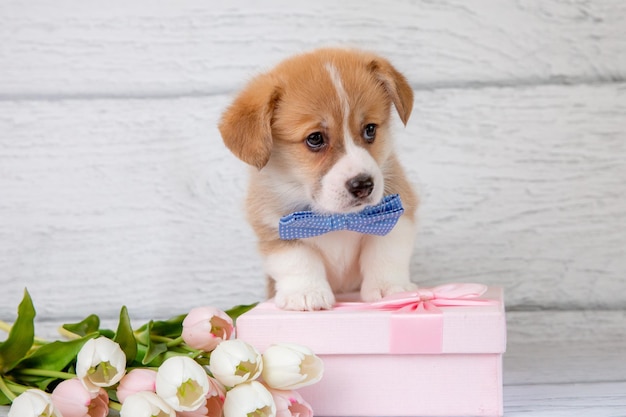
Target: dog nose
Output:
[{"x": 360, "y": 186}]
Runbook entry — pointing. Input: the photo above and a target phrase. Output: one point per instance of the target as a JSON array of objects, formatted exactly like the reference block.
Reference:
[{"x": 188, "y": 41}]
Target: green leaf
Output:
[
  {"x": 21, "y": 336},
  {"x": 237, "y": 311},
  {"x": 55, "y": 356},
  {"x": 89, "y": 325},
  {"x": 153, "y": 349},
  {"x": 109, "y": 334},
  {"x": 171, "y": 328},
  {"x": 125, "y": 336}
]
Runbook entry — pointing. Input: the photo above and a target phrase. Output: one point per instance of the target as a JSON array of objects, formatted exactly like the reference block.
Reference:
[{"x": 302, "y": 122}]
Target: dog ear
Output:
[
  {"x": 246, "y": 126},
  {"x": 396, "y": 86}
]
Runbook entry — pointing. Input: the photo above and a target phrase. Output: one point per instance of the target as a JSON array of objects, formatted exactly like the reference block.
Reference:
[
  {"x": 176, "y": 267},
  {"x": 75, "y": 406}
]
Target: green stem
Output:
[
  {"x": 5, "y": 326},
  {"x": 67, "y": 334},
  {"x": 6, "y": 391},
  {"x": 175, "y": 342},
  {"x": 40, "y": 341},
  {"x": 115, "y": 405},
  {"x": 17, "y": 388},
  {"x": 169, "y": 342},
  {"x": 187, "y": 351},
  {"x": 46, "y": 373}
]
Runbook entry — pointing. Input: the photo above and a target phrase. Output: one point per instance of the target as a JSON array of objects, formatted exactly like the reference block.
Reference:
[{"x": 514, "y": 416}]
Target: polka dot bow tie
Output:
[{"x": 373, "y": 220}]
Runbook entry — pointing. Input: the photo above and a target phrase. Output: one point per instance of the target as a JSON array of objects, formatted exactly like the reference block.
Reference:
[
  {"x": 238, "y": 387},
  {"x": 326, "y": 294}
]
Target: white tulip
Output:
[
  {"x": 146, "y": 404},
  {"x": 33, "y": 403},
  {"x": 289, "y": 366},
  {"x": 100, "y": 363},
  {"x": 249, "y": 399},
  {"x": 234, "y": 362},
  {"x": 182, "y": 383}
]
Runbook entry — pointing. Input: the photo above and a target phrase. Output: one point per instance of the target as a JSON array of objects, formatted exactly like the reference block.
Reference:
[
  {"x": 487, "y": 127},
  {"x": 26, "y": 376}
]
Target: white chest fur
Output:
[{"x": 341, "y": 251}]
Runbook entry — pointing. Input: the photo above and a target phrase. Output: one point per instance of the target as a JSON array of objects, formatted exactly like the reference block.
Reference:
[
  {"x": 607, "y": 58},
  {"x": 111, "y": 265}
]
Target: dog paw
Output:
[
  {"x": 319, "y": 299},
  {"x": 370, "y": 293}
]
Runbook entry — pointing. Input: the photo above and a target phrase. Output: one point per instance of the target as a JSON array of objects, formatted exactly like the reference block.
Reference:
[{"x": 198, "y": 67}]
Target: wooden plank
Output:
[
  {"x": 565, "y": 347},
  {"x": 136, "y": 200},
  {"x": 139, "y": 201},
  {"x": 193, "y": 47},
  {"x": 523, "y": 187},
  {"x": 571, "y": 400}
]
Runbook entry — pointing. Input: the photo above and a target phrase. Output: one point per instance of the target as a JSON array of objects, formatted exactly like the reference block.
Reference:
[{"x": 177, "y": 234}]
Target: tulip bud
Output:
[
  {"x": 234, "y": 362},
  {"x": 100, "y": 363},
  {"x": 249, "y": 399},
  {"x": 33, "y": 403},
  {"x": 205, "y": 327},
  {"x": 146, "y": 404},
  {"x": 290, "y": 366},
  {"x": 72, "y": 399},
  {"x": 290, "y": 404},
  {"x": 137, "y": 380},
  {"x": 182, "y": 383},
  {"x": 214, "y": 402}
]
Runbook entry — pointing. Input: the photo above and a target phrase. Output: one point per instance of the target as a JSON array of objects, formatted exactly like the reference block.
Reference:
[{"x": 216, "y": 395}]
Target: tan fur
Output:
[{"x": 268, "y": 122}]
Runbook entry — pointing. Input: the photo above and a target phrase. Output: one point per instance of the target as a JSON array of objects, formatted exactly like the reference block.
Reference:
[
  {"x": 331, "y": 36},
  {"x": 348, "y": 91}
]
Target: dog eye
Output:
[
  {"x": 315, "y": 141},
  {"x": 369, "y": 133}
]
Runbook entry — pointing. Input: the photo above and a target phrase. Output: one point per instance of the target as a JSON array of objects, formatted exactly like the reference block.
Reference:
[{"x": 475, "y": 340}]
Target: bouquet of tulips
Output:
[{"x": 187, "y": 366}]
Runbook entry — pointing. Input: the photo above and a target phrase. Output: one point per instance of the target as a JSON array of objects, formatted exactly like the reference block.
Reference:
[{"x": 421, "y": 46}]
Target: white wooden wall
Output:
[{"x": 115, "y": 187}]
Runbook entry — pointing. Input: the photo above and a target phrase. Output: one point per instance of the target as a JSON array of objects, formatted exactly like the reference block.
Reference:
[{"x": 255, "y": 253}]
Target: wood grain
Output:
[
  {"x": 571, "y": 400},
  {"x": 115, "y": 188},
  {"x": 523, "y": 186},
  {"x": 69, "y": 48},
  {"x": 137, "y": 202}
]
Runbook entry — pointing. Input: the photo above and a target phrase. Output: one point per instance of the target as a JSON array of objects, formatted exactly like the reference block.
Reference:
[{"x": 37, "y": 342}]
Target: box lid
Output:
[{"x": 360, "y": 328}]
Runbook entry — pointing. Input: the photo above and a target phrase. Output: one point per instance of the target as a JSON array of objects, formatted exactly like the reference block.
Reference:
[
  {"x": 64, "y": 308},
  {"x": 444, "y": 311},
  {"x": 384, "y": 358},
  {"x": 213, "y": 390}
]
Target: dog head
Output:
[{"x": 318, "y": 124}]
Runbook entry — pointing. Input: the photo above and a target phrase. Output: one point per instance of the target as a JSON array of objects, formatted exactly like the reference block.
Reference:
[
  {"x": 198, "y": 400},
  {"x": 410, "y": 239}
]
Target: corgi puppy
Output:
[{"x": 316, "y": 131}]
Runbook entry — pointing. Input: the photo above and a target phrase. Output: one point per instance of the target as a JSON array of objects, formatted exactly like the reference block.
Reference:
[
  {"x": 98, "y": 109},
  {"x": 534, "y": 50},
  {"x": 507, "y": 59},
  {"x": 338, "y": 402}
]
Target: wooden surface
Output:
[
  {"x": 521, "y": 187},
  {"x": 557, "y": 364},
  {"x": 190, "y": 47},
  {"x": 114, "y": 180},
  {"x": 115, "y": 187}
]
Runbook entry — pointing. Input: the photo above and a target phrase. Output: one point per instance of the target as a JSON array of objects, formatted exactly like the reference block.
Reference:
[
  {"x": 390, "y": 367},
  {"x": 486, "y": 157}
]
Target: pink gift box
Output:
[{"x": 437, "y": 355}]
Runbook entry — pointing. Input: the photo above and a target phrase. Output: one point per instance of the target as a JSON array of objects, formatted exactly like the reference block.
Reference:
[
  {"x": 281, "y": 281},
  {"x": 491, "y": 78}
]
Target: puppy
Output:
[{"x": 316, "y": 130}]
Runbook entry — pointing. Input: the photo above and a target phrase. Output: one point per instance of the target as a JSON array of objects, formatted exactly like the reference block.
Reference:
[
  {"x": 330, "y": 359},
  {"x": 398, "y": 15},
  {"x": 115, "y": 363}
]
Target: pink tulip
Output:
[
  {"x": 214, "y": 402},
  {"x": 72, "y": 399},
  {"x": 205, "y": 327},
  {"x": 135, "y": 381},
  {"x": 290, "y": 404}
]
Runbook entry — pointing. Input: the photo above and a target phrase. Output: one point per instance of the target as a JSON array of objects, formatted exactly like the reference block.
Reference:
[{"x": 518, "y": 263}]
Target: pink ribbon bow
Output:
[{"x": 422, "y": 334}]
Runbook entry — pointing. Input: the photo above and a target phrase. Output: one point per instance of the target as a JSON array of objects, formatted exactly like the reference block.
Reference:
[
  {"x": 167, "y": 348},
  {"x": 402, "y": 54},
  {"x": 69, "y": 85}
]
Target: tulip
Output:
[
  {"x": 205, "y": 327},
  {"x": 289, "y": 366},
  {"x": 72, "y": 399},
  {"x": 182, "y": 383},
  {"x": 214, "y": 402},
  {"x": 146, "y": 404},
  {"x": 234, "y": 362},
  {"x": 135, "y": 381},
  {"x": 33, "y": 403},
  {"x": 100, "y": 363},
  {"x": 249, "y": 399},
  {"x": 290, "y": 404}
]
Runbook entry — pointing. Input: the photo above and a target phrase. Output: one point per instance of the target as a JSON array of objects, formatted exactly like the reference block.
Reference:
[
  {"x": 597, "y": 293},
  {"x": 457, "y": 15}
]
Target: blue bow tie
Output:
[{"x": 373, "y": 220}]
